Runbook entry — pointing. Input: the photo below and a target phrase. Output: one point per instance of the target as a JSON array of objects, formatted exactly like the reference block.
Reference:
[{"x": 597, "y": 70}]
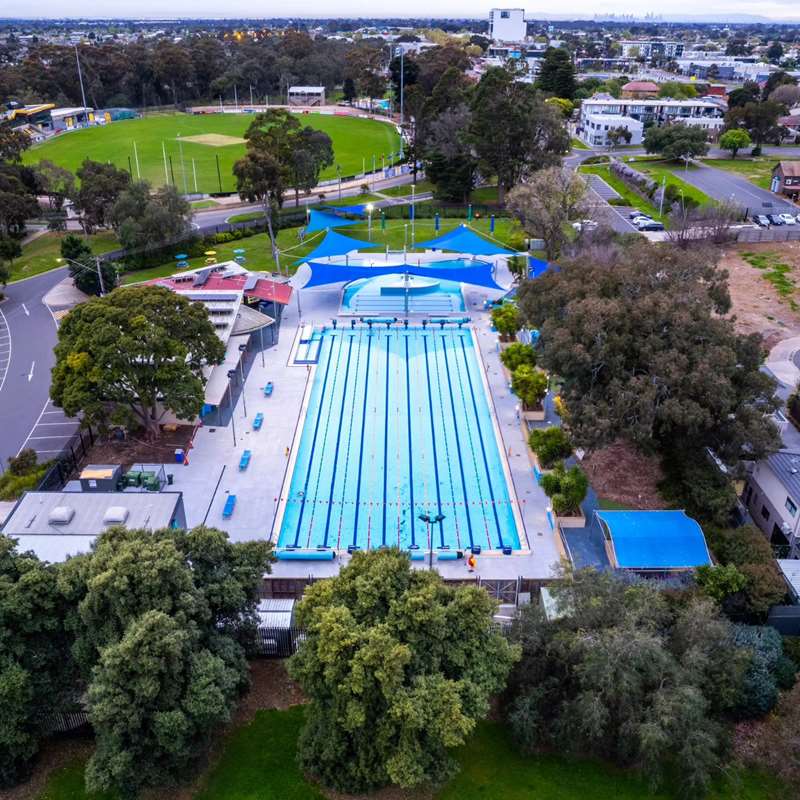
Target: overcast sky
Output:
[{"x": 775, "y": 9}]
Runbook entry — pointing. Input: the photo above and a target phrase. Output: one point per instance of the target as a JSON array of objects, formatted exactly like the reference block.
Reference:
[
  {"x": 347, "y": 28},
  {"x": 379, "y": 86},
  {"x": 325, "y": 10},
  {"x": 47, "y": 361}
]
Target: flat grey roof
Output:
[
  {"x": 85, "y": 512},
  {"x": 786, "y": 465}
]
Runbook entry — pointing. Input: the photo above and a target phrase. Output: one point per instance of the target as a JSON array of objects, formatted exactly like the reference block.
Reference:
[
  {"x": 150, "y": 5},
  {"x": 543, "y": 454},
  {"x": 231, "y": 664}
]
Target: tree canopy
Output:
[
  {"x": 557, "y": 73},
  {"x": 100, "y": 187},
  {"x": 128, "y": 357},
  {"x": 398, "y": 667},
  {"x": 676, "y": 141}
]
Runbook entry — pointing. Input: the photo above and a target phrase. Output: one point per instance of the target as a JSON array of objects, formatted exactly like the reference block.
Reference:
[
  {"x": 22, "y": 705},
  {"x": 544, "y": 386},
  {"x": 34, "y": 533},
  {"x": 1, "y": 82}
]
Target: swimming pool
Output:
[
  {"x": 402, "y": 294},
  {"x": 398, "y": 424}
]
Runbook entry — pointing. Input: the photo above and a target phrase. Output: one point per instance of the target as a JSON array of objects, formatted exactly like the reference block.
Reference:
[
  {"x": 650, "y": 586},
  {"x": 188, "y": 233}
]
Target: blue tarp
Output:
[
  {"x": 463, "y": 240},
  {"x": 537, "y": 267},
  {"x": 323, "y": 274},
  {"x": 655, "y": 539},
  {"x": 336, "y": 244},
  {"x": 355, "y": 209},
  {"x": 321, "y": 220}
]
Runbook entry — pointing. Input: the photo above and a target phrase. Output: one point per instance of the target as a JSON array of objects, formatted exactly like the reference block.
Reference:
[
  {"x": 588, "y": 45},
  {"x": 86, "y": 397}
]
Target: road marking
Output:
[
  {"x": 7, "y": 334},
  {"x": 25, "y": 309},
  {"x": 30, "y": 374},
  {"x": 65, "y": 422},
  {"x": 53, "y": 436},
  {"x": 38, "y": 420}
]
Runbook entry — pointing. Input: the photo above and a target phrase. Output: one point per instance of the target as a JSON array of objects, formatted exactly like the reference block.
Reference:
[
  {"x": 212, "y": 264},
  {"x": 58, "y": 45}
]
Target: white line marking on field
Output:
[
  {"x": 39, "y": 419},
  {"x": 25, "y": 309},
  {"x": 30, "y": 374}
]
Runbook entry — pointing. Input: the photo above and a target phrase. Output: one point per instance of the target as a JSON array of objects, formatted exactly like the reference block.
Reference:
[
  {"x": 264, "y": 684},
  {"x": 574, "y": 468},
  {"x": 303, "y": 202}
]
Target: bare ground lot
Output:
[
  {"x": 136, "y": 450},
  {"x": 621, "y": 474},
  {"x": 758, "y": 305}
]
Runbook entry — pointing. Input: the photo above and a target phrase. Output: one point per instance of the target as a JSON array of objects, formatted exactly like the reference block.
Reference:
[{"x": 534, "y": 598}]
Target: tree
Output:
[
  {"x": 787, "y": 94},
  {"x": 566, "y": 488},
  {"x": 410, "y": 74},
  {"x": 546, "y": 203},
  {"x": 622, "y": 675},
  {"x": 759, "y": 119},
  {"x": 56, "y": 182},
  {"x": 397, "y": 667},
  {"x": 349, "y": 90},
  {"x": 131, "y": 356},
  {"x": 100, "y": 186},
  {"x": 735, "y": 140},
  {"x": 83, "y": 267},
  {"x": 677, "y": 90},
  {"x": 748, "y": 93},
  {"x": 448, "y": 157},
  {"x": 566, "y": 107},
  {"x": 13, "y": 144},
  {"x": 517, "y": 354},
  {"x": 10, "y": 249},
  {"x": 643, "y": 354},
  {"x": 617, "y": 135},
  {"x": 156, "y": 620},
  {"x": 776, "y": 79},
  {"x": 505, "y": 319},
  {"x": 530, "y": 385},
  {"x": 550, "y": 445},
  {"x": 513, "y": 131},
  {"x": 719, "y": 582},
  {"x": 37, "y": 673},
  {"x": 676, "y": 141},
  {"x": 145, "y": 220},
  {"x": 312, "y": 152},
  {"x": 557, "y": 73}
]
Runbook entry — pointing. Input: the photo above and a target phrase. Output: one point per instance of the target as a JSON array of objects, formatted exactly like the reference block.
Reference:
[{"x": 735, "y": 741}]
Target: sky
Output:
[{"x": 720, "y": 9}]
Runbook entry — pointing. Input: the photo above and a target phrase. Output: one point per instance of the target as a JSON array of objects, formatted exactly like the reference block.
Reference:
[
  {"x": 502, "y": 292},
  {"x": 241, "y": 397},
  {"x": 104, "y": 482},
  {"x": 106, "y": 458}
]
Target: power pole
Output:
[
  {"x": 100, "y": 275},
  {"x": 80, "y": 76},
  {"x": 402, "y": 111}
]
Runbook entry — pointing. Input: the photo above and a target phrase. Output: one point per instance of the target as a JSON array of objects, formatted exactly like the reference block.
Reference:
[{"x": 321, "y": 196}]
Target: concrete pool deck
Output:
[{"x": 213, "y": 471}]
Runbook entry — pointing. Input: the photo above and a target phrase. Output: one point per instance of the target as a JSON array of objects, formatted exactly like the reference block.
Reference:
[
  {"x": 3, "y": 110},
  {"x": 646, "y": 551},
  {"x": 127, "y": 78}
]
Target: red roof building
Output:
[{"x": 640, "y": 90}]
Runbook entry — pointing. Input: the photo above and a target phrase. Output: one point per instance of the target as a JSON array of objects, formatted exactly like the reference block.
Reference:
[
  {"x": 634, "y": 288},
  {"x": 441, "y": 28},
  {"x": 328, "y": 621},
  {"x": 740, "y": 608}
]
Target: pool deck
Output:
[{"x": 213, "y": 471}]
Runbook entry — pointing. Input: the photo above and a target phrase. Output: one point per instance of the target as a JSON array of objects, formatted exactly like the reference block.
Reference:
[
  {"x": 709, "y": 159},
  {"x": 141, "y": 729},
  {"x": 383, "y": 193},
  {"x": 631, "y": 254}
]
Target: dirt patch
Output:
[
  {"x": 621, "y": 474},
  {"x": 762, "y": 304},
  {"x": 135, "y": 450},
  {"x": 213, "y": 139}
]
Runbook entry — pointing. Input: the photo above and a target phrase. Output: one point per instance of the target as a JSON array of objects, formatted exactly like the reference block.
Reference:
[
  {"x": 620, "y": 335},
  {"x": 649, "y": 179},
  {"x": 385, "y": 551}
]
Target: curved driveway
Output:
[{"x": 25, "y": 408}]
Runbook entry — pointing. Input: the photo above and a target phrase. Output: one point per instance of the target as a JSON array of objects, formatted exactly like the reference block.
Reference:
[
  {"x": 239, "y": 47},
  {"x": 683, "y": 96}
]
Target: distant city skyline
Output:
[{"x": 777, "y": 10}]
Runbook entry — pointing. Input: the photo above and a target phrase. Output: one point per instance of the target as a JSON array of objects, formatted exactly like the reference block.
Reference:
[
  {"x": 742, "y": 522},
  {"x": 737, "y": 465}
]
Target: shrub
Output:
[
  {"x": 566, "y": 489},
  {"x": 23, "y": 463},
  {"x": 530, "y": 385},
  {"x": 517, "y": 354},
  {"x": 785, "y": 673},
  {"x": 550, "y": 445},
  {"x": 364, "y": 188},
  {"x": 759, "y": 690},
  {"x": 505, "y": 319}
]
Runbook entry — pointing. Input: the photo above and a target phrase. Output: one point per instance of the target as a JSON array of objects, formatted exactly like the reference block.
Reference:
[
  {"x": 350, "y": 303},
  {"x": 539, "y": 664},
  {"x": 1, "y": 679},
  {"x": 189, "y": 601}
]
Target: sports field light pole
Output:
[
  {"x": 183, "y": 166},
  {"x": 242, "y": 349},
  {"x": 136, "y": 159},
  {"x": 373, "y": 173},
  {"x": 194, "y": 173},
  {"x": 80, "y": 76},
  {"x": 339, "y": 175},
  {"x": 231, "y": 373},
  {"x": 370, "y": 209},
  {"x": 429, "y": 520},
  {"x": 413, "y": 214}
]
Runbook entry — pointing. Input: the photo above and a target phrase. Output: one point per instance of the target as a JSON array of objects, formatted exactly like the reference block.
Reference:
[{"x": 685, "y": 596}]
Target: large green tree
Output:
[
  {"x": 557, "y": 73},
  {"x": 160, "y": 619},
  {"x": 637, "y": 337},
  {"x": 397, "y": 667},
  {"x": 128, "y": 357},
  {"x": 514, "y": 132},
  {"x": 100, "y": 187},
  {"x": 36, "y": 671},
  {"x": 676, "y": 141},
  {"x": 625, "y": 675},
  {"x": 144, "y": 219},
  {"x": 760, "y": 120},
  {"x": 311, "y": 153}
]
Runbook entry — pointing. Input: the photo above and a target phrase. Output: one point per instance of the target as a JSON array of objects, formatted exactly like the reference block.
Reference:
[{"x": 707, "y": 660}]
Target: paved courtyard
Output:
[{"x": 213, "y": 471}]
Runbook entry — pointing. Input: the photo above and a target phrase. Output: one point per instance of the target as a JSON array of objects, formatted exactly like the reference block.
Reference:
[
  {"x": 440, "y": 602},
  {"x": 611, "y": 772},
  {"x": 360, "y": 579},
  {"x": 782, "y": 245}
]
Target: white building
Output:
[
  {"x": 595, "y": 128},
  {"x": 772, "y": 496},
  {"x": 306, "y": 96},
  {"x": 507, "y": 25},
  {"x": 651, "y": 48},
  {"x": 658, "y": 111}
]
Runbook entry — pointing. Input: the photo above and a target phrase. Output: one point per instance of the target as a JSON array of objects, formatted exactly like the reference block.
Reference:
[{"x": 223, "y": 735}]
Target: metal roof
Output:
[{"x": 786, "y": 466}]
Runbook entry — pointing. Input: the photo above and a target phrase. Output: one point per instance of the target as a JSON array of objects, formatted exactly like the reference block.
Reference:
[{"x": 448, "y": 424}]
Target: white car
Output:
[
  {"x": 788, "y": 219},
  {"x": 641, "y": 219},
  {"x": 584, "y": 225}
]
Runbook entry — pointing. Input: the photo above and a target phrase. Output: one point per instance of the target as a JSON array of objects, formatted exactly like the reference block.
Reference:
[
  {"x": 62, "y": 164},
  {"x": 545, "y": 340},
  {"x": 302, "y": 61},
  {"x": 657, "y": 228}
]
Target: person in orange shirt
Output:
[{"x": 472, "y": 562}]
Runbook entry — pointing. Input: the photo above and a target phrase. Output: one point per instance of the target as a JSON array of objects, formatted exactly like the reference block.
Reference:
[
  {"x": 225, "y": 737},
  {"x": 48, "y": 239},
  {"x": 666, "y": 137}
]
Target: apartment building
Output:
[
  {"x": 651, "y": 48},
  {"x": 507, "y": 25}
]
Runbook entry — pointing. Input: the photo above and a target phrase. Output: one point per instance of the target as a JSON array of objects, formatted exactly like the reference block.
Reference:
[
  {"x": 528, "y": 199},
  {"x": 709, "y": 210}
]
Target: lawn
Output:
[
  {"x": 776, "y": 271},
  {"x": 354, "y": 140},
  {"x": 756, "y": 170},
  {"x": 259, "y": 764},
  {"x": 629, "y": 197},
  {"x": 405, "y": 190},
  {"x": 259, "y": 257},
  {"x": 659, "y": 169},
  {"x": 577, "y": 144},
  {"x": 199, "y": 204},
  {"x": 42, "y": 253},
  {"x": 612, "y": 505}
]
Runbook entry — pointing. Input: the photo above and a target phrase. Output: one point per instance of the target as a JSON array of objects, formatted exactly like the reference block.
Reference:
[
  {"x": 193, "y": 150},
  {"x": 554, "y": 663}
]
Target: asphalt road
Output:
[
  {"x": 722, "y": 185},
  {"x": 27, "y": 337}
]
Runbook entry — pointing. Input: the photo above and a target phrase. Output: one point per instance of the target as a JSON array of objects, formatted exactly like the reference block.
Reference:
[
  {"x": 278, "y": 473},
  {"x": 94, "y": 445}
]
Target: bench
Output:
[
  {"x": 230, "y": 504},
  {"x": 258, "y": 421},
  {"x": 244, "y": 461},
  {"x": 268, "y": 389}
]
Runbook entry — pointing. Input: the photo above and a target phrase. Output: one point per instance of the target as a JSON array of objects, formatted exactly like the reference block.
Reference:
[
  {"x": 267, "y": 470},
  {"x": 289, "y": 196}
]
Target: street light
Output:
[
  {"x": 231, "y": 373},
  {"x": 370, "y": 209},
  {"x": 242, "y": 350},
  {"x": 339, "y": 175},
  {"x": 429, "y": 520},
  {"x": 89, "y": 269}
]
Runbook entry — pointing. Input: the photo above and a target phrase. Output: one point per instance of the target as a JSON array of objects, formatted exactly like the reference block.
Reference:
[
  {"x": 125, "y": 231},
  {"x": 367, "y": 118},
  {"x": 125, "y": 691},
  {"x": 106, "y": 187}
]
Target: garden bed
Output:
[{"x": 621, "y": 474}]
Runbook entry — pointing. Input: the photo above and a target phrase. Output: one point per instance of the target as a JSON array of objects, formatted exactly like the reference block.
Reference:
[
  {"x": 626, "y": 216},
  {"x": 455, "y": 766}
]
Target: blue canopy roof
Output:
[
  {"x": 537, "y": 267},
  {"x": 463, "y": 240},
  {"x": 336, "y": 244},
  {"x": 321, "y": 220},
  {"x": 655, "y": 539},
  {"x": 322, "y": 274},
  {"x": 355, "y": 209}
]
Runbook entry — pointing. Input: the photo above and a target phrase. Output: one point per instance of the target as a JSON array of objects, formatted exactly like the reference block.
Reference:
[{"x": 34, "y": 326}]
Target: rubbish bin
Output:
[{"x": 179, "y": 456}]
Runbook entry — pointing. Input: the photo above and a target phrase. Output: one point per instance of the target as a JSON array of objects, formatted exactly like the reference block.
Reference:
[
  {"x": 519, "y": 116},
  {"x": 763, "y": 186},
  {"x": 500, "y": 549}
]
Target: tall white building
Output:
[{"x": 507, "y": 25}]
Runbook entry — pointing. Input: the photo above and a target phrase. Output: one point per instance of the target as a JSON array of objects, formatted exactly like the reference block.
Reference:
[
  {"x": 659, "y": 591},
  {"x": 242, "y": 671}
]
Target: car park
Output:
[
  {"x": 787, "y": 219},
  {"x": 635, "y": 213},
  {"x": 640, "y": 219},
  {"x": 774, "y": 219},
  {"x": 761, "y": 220},
  {"x": 650, "y": 225}
]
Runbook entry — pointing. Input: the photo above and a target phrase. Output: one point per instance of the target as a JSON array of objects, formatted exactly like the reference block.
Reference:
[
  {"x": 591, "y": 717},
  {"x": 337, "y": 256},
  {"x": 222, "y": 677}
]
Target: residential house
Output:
[{"x": 786, "y": 179}]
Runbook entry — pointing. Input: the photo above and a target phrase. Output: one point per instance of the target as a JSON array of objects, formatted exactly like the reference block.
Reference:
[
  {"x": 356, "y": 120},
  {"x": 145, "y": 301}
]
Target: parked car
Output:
[
  {"x": 774, "y": 219},
  {"x": 635, "y": 213},
  {"x": 640, "y": 219},
  {"x": 651, "y": 225},
  {"x": 761, "y": 220},
  {"x": 788, "y": 219},
  {"x": 585, "y": 225}
]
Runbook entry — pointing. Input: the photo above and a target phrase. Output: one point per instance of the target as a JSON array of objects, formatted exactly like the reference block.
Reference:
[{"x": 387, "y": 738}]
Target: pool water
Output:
[
  {"x": 389, "y": 294},
  {"x": 398, "y": 425}
]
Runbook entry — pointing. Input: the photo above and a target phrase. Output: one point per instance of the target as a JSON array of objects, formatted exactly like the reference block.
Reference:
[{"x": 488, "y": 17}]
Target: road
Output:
[{"x": 27, "y": 337}]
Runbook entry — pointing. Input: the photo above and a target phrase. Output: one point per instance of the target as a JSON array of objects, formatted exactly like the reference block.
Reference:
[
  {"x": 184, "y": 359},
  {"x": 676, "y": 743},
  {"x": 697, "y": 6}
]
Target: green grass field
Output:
[
  {"x": 659, "y": 169},
  {"x": 355, "y": 142},
  {"x": 629, "y": 197},
  {"x": 259, "y": 257},
  {"x": 259, "y": 764},
  {"x": 42, "y": 254}
]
